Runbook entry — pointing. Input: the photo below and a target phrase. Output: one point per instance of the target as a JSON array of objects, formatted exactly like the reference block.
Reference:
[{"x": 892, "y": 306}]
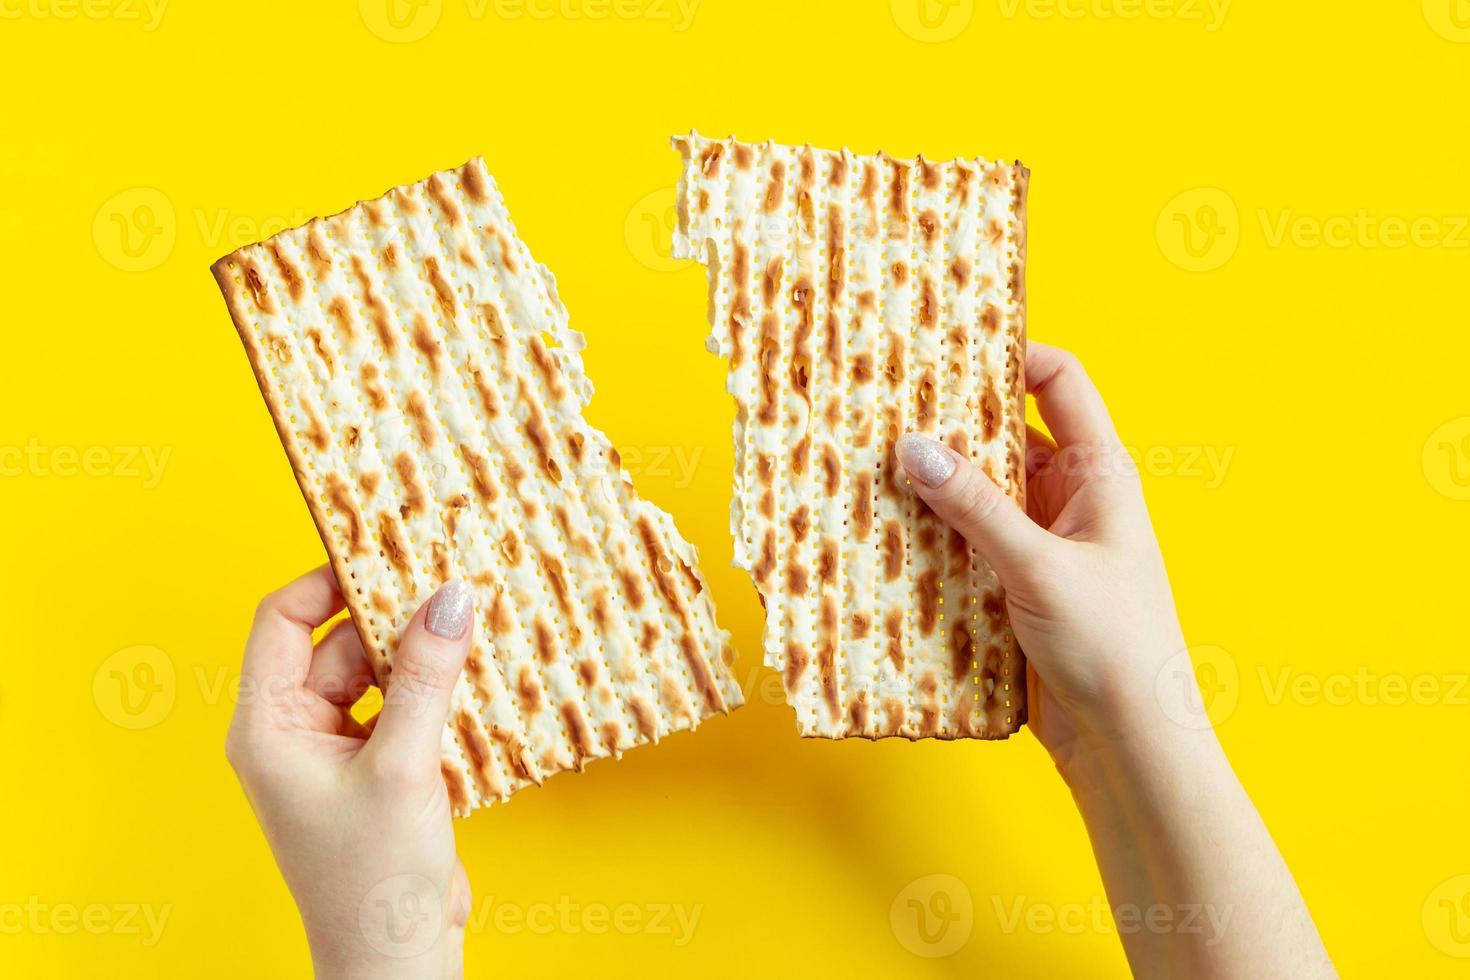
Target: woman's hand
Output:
[
  {"x": 1086, "y": 590},
  {"x": 358, "y": 820},
  {"x": 1179, "y": 844}
]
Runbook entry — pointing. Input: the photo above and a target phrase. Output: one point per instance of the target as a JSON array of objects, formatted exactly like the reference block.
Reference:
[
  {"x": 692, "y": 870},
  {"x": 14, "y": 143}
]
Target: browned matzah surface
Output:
[
  {"x": 856, "y": 298},
  {"x": 429, "y": 392}
]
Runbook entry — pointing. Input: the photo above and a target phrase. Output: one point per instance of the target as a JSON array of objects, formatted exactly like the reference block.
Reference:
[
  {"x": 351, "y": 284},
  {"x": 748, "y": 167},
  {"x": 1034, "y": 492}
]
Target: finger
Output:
[
  {"x": 425, "y": 669},
  {"x": 970, "y": 502},
  {"x": 340, "y": 673},
  {"x": 279, "y": 649},
  {"x": 1039, "y": 450},
  {"x": 1066, "y": 397}
]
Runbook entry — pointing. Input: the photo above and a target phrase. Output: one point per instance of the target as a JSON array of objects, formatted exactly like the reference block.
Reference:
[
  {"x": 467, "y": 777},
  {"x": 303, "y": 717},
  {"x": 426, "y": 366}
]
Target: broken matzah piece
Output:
[
  {"x": 857, "y": 298},
  {"x": 429, "y": 393}
]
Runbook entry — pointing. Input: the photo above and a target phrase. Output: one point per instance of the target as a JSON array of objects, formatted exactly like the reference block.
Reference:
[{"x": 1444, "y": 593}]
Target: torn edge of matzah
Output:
[
  {"x": 806, "y": 241},
  {"x": 424, "y": 380}
]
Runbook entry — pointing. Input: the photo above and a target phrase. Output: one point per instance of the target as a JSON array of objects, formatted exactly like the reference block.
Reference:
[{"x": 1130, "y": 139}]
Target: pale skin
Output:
[{"x": 359, "y": 820}]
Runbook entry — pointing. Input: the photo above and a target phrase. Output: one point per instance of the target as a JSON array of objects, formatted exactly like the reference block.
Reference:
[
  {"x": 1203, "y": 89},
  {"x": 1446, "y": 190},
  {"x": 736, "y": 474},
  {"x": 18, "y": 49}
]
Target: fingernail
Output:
[
  {"x": 449, "y": 610},
  {"x": 925, "y": 460}
]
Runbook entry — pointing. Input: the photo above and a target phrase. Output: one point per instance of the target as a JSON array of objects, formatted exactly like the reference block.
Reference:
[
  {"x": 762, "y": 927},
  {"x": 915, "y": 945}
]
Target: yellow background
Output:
[{"x": 1328, "y": 376}]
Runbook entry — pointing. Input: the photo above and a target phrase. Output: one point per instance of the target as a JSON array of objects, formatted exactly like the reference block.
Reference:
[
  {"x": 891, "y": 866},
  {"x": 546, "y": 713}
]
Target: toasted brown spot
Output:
[
  {"x": 929, "y": 226},
  {"x": 425, "y": 343},
  {"x": 576, "y": 725},
  {"x": 797, "y": 660},
  {"x": 869, "y": 189},
  {"x": 767, "y": 505},
  {"x": 515, "y": 752},
  {"x": 505, "y": 251},
  {"x": 926, "y": 402},
  {"x": 494, "y": 326},
  {"x": 316, "y": 429},
  {"x": 900, "y": 273},
  {"x": 413, "y": 488},
  {"x": 459, "y": 794},
  {"x": 440, "y": 559},
  {"x": 418, "y": 412},
  {"x": 744, "y": 156},
  {"x": 928, "y": 303},
  {"x": 709, "y": 160},
  {"x": 390, "y": 538},
  {"x": 557, "y": 579},
  {"x": 644, "y": 717},
  {"x": 377, "y": 309},
  {"x": 862, "y": 625},
  {"x": 502, "y": 619},
  {"x": 295, "y": 282},
  {"x": 836, "y": 255},
  {"x": 576, "y": 446},
  {"x": 868, "y": 301},
  {"x": 579, "y": 542},
  {"x": 994, "y": 609},
  {"x": 632, "y": 585},
  {"x": 441, "y": 197},
  {"x": 528, "y": 690},
  {"x": 893, "y": 626},
  {"x": 827, "y": 561},
  {"x": 892, "y": 550},
  {"x": 862, "y": 367},
  {"x": 767, "y": 562},
  {"x": 893, "y": 715},
  {"x": 831, "y": 469},
  {"x": 801, "y": 455},
  {"x": 370, "y": 482},
  {"x": 545, "y": 640},
  {"x": 858, "y": 714},
  {"x": 862, "y": 505},
  {"x": 317, "y": 253},
  {"x": 776, "y": 189},
  {"x": 796, "y": 579},
  {"x": 898, "y": 201},
  {"x": 990, "y": 412},
  {"x": 318, "y": 345},
  {"x": 376, "y": 393},
  {"x": 390, "y": 256},
  {"x": 342, "y": 319},
  {"x": 550, "y": 370},
  {"x": 539, "y": 433},
  {"x": 477, "y": 750},
  {"x": 443, "y": 293},
  {"x": 827, "y": 657},
  {"x": 893, "y": 367},
  {"x": 587, "y": 671},
  {"x": 990, "y": 318},
  {"x": 255, "y": 285},
  {"x": 612, "y": 736},
  {"x": 959, "y": 271},
  {"x": 834, "y": 411},
  {"x": 801, "y": 522},
  {"x": 341, "y": 499},
  {"x": 699, "y": 669},
  {"x": 927, "y": 587},
  {"x": 961, "y": 651},
  {"x": 765, "y": 469},
  {"x": 601, "y": 608},
  {"x": 995, "y": 232},
  {"x": 489, "y": 396},
  {"x": 649, "y": 635},
  {"x": 479, "y": 468}
]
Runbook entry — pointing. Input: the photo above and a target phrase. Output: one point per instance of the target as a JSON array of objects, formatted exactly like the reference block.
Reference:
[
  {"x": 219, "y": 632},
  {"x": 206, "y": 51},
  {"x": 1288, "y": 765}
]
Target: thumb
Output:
[
  {"x": 969, "y": 501},
  {"x": 425, "y": 670}
]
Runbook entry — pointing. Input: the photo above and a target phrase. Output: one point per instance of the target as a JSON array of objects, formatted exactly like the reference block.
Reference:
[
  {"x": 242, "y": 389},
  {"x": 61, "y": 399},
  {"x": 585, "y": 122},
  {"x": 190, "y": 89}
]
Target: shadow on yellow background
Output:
[{"x": 1249, "y": 219}]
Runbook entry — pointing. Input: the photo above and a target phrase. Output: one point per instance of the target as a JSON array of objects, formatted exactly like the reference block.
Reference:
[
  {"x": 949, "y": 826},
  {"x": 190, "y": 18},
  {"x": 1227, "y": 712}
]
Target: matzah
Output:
[
  {"x": 429, "y": 393},
  {"x": 857, "y": 298}
]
